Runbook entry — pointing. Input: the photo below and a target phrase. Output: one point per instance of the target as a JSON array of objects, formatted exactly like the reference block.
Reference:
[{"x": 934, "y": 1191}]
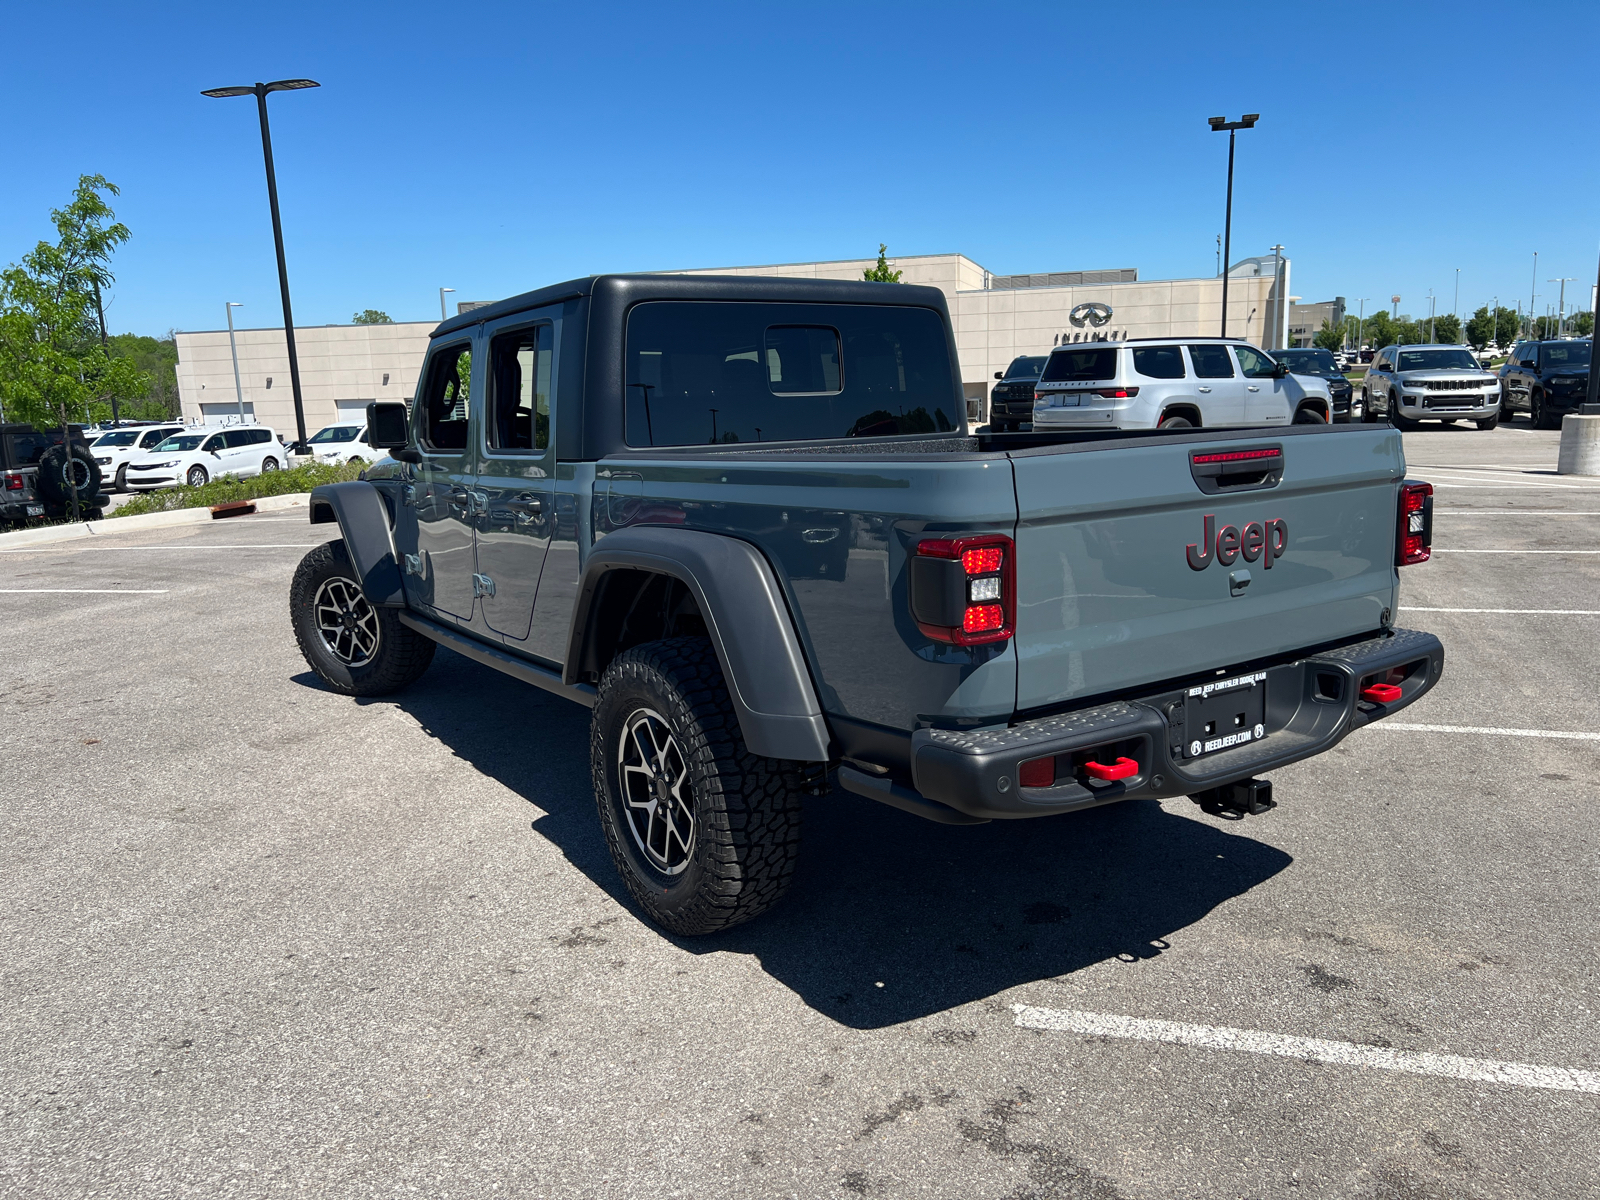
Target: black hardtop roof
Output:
[{"x": 625, "y": 290}]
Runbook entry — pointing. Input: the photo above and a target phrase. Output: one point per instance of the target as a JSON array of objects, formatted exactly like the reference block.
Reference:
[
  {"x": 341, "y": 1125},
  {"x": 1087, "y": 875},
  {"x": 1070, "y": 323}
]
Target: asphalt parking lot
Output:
[{"x": 259, "y": 939}]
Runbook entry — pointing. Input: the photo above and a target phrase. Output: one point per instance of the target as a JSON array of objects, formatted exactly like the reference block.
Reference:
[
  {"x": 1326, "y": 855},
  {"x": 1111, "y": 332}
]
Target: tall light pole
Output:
[
  {"x": 1533, "y": 294},
  {"x": 1494, "y": 338},
  {"x": 1361, "y": 321},
  {"x": 1430, "y": 316},
  {"x": 1455, "y": 305},
  {"x": 1218, "y": 124},
  {"x": 260, "y": 91},
  {"x": 1561, "y": 312},
  {"x": 238, "y": 388},
  {"x": 1280, "y": 322},
  {"x": 443, "y": 316}
]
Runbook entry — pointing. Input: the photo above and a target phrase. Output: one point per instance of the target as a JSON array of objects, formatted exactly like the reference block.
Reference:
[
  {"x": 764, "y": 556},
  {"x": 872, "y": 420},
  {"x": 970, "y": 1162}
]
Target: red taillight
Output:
[
  {"x": 982, "y": 562},
  {"x": 1037, "y": 773},
  {"x": 963, "y": 590},
  {"x": 1414, "y": 537},
  {"x": 13, "y": 483}
]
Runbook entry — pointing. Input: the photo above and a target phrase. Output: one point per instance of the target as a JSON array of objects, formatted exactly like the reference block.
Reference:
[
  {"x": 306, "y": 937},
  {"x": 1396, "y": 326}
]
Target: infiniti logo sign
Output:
[{"x": 1092, "y": 312}]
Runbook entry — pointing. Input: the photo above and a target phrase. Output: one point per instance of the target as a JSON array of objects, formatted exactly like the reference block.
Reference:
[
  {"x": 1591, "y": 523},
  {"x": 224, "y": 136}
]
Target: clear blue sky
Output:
[{"x": 498, "y": 147}]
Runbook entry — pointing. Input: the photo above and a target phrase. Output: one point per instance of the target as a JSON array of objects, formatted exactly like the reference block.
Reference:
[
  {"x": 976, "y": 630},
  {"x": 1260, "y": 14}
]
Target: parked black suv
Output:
[
  {"x": 1011, "y": 400},
  {"x": 1546, "y": 380},
  {"x": 1321, "y": 365},
  {"x": 39, "y": 476}
]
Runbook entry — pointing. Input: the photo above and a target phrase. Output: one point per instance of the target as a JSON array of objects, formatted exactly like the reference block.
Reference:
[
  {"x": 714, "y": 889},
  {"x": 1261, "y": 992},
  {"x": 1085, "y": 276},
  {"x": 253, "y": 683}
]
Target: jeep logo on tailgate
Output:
[{"x": 1266, "y": 540}]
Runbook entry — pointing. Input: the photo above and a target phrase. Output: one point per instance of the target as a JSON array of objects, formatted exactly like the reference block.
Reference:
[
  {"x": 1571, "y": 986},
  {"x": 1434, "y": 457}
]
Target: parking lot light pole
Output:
[
  {"x": 1361, "y": 321},
  {"x": 260, "y": 91},
  {"x": 1561, "y": 310},
  {"x": 1218, "y": 124},
  {"x": 1533, "y": 296},
  {"x": 443, "y": 316},
  {"x": 233, "y": 346}
]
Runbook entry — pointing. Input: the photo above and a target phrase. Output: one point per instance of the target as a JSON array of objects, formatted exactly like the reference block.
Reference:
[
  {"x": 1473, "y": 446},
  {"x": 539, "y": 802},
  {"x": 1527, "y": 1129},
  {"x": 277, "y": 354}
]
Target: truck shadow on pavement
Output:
[{"x": 891, "y": 918}]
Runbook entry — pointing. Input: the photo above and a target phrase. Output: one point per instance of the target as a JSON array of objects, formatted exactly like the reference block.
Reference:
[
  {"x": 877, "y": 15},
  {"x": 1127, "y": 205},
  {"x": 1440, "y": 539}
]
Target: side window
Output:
[
  {"x": 260, "y": 437},
  {"x": 1158, "y": 362},
  {"x": 155, "y": 438},
  {"x": 1211, "y": 362},
  {"x": 213, "y": 444},
  {"x": 444, "y": 398},
  {"x": 1253, "y": 363},
  {"x": 519, "y": 393},
  {"x": 236, "y": 438}
]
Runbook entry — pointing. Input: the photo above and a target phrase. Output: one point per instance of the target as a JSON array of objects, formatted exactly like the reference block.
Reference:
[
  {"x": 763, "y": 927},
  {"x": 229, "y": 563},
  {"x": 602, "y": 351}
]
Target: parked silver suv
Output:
[
  {"x": 1437, "y": 383},
  {"x": 1173, "y": 383}
]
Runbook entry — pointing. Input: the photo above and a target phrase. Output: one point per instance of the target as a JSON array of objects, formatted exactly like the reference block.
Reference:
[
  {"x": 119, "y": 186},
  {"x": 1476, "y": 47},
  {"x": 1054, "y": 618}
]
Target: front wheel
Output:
[
  {"x": 355, "y": 648},
  {"x": 704, "y": 833},
  {"x": 1488, "y": 422},
  {"x": 197, "y": 477},
  {"x": 121, "y": 483},
  {"x": 1538, "y": 414},
  {"x": 1309, "y": 416}
]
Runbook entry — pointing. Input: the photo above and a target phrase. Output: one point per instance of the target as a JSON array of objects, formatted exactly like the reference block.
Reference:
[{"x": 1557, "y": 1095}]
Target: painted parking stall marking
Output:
[
  {"x": 83, "y": 591},
  {"x": 1521, "y": 612},
  {"x": 1411, "y": 727},
  {"x": 1307, "y": 1049}
]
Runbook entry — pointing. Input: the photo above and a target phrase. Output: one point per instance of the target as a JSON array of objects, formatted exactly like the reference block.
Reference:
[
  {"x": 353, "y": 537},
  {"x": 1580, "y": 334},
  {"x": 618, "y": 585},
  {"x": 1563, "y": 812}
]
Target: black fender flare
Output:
[
  {"x": 749, "y": 622},
  {"x": 363, "y": 518}
]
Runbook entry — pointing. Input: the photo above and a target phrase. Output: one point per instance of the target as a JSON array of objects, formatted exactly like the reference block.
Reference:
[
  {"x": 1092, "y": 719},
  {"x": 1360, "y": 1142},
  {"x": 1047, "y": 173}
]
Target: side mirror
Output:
[
  {"x": 999, "y": 374},
  {"x": 1279, "y": 370},
  {"x": 387, "y": 425}
]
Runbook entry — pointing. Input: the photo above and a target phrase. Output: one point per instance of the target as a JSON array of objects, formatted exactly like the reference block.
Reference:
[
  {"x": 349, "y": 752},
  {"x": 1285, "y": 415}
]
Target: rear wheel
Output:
[
  {"x": 1176, "y": 422},
  {"x": 704, "y": 833},
  {"x": 268, "y": 464},
  {"x": 354, "y": 647}
]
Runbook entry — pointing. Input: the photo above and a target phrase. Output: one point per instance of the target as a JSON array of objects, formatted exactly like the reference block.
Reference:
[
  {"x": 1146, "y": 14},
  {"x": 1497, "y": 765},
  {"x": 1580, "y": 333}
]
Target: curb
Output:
[{"x": 110, "y": 525}]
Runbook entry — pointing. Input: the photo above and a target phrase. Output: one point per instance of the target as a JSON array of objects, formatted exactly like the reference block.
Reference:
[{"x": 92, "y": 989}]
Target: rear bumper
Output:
[{"x": 1312, "y": 704}]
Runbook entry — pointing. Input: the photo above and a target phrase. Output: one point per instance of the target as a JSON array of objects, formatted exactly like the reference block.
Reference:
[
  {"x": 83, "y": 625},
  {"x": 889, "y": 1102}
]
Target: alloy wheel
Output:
[
  {"x": 653, "y": 778},
  {"x": 346, "y": 623}
]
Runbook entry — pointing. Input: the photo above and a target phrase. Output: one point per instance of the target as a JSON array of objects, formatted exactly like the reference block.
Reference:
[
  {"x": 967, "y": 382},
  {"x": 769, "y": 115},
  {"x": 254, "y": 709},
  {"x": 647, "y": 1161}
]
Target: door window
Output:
[
  {"x": 444, "y": 398},
  {"x": 213, "y": 444},
  {"x": 1253, "y": 363},
  {"x": 236, "y": 438},
  {"x": 519, "y": 393},
  {"x": 1158, "y": 362},
  {"x": 1211, "y": 362}
]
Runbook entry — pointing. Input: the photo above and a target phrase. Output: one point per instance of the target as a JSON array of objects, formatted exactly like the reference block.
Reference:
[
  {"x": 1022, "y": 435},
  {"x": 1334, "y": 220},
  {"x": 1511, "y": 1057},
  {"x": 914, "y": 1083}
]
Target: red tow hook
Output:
[
  {"x": 1121, "y": 769},
  {"x": 1381, "y": 693}
]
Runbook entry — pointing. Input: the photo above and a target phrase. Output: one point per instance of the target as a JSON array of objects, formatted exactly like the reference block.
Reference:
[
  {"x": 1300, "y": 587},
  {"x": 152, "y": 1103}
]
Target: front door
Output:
[
  {"x": 1266, "y": 399},
  {"x": 440, "y": 575},
  {"x": 514, "y": 498},
  {"x": 1217, "y": 384}
]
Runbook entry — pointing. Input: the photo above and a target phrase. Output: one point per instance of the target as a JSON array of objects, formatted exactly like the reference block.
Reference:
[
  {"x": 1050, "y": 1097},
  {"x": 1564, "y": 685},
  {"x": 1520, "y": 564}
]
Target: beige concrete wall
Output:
[
  {"x": 950, "y": 273},
  {"x": 337, "y": 363}
]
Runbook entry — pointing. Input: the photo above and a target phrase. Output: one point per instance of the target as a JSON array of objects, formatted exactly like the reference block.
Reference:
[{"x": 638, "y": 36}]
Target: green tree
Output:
[
  {"x": 158, "y": 359},
  {"x": 1581, "y": 324},
  {"x": 372, "y": 316},
  {"x": 1447, "y": 328},
  {"x": 1500, "y": 327},
  {"x": 1330, "y": 337},
  {"x": 881, "y": 273},
  {"x": 55, "y": 364}
]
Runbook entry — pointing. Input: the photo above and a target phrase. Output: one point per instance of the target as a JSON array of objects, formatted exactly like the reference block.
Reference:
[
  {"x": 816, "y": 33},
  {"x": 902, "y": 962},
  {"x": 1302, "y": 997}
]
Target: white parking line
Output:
[
  {"x": 1307, "y": 1049},
  {"x": 1529, "y": 612},
  {"x": 214, "y": 546},
  {"x": 1437, "y": 550},
  {"x": 1580, "y": 736},
  {"x": 1509, "y": 512},
  {"x": 86, "y": 591}
]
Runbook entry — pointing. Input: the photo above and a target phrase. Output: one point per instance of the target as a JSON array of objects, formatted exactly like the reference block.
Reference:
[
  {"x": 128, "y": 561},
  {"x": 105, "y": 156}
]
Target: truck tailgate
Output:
[{"x": 1111, "y": 596}]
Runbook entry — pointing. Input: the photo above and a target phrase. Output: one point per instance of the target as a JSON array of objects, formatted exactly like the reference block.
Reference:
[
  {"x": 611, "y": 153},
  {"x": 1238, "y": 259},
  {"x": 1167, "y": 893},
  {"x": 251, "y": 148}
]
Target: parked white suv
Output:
[
  {"x": 1173, "y": 383},
  {"x": 342, "y": 444},
  {"x": 115, "y": 449},
  {"x": 197, "y": 456}
]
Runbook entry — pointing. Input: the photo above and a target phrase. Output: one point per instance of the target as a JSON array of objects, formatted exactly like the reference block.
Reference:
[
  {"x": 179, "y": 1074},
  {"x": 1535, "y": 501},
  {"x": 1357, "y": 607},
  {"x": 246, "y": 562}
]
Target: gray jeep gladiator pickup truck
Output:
[{"x": 743, "y": 520}]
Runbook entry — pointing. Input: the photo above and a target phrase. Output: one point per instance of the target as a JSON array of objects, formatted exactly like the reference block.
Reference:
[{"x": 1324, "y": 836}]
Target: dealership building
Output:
[{"x": 996, "y": 318}]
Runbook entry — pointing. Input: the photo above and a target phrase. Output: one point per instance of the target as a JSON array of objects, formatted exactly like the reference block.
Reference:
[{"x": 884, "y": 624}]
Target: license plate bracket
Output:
[
  {"x": 36, "y": 510},
  {"x": 1219, "y": 716}
]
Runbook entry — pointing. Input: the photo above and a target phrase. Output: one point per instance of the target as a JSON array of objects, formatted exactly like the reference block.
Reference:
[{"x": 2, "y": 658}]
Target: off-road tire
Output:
[
  {"x": 401, "y": 655},
  {"x": 58, "y": 482},
  {"x": 746, "y": 808}
]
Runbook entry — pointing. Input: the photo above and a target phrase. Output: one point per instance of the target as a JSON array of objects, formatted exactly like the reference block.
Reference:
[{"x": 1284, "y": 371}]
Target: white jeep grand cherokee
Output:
[{"x": 1173, "y": 383}]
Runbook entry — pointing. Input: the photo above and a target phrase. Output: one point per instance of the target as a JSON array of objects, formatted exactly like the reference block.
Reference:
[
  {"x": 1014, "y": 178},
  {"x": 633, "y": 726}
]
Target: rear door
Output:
[
  {"x": 514, "y": 498},
  {"x": 1218, "y": 385},
  {"x": 1129, "y": 573}
]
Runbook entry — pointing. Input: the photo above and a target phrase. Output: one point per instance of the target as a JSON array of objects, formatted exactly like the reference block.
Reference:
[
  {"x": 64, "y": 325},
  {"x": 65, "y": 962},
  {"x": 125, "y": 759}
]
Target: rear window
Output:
[
  {"x": 701, "y": 373},
  {"x": 183, "y": 441},
  {"x": 1080, "y": 365},
  {"x": 1567, "y": 354},
  {"x": 1158, "y": 362},
  {"x": 24, "y": 449}
]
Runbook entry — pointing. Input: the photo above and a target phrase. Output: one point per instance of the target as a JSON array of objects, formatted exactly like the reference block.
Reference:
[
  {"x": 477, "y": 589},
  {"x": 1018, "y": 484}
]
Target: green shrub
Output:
[{"x": 228, "y": 489}]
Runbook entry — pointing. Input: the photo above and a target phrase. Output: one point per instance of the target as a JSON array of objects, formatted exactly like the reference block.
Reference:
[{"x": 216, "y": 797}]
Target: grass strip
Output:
[{"x": 228, "y": 488}]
